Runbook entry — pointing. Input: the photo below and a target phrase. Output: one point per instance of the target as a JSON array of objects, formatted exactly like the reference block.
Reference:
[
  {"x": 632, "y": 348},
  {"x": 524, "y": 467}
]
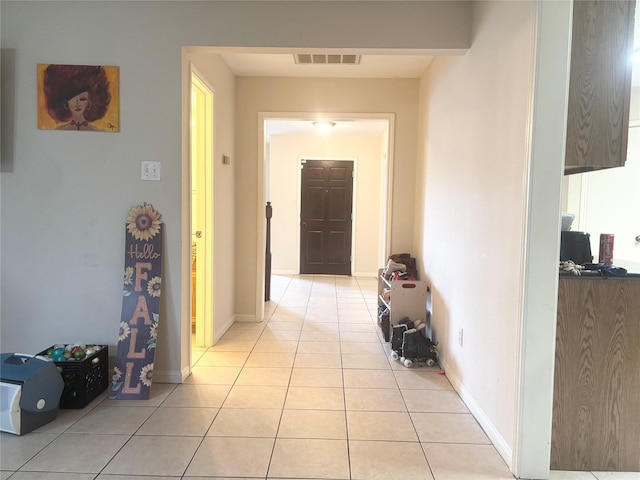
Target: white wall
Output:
[
  {"x": 634, "y": 104},
  {"x": 285, "y": 153},
  {"x": 492, "y": 129},
  {"x": 473, "y": 157},
  {"x": 313, "y": 95},
  {"x": 65, "y": 197}
]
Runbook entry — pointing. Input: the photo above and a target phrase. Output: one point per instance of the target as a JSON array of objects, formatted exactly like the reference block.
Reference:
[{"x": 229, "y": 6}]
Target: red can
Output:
[{"x": 606, "y": 248}]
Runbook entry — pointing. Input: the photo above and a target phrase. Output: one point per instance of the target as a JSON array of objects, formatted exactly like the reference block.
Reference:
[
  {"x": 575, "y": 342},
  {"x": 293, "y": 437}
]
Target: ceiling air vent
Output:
[{"x": 329, "y": 59}]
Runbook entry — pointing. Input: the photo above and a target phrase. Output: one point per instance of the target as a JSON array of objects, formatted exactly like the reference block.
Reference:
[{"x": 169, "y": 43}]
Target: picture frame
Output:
[{"x": 78, "y": 97}]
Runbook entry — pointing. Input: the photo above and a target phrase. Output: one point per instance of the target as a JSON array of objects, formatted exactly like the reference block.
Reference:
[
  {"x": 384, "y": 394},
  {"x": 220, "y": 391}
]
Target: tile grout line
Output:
[
  {"x": 344, "y": 391},
  {"x": 284, "y": 402}
]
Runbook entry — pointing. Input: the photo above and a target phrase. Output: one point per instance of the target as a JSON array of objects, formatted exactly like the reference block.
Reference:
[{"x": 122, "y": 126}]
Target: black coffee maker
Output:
[{"x": 575, "y": 246}]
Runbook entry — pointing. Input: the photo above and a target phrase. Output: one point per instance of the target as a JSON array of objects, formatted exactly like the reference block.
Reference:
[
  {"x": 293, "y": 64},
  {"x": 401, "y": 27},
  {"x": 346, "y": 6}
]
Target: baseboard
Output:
[
  {"x": 169, "y": 376},
  {"x": 503, "y": 448},
  {"x": 245, "y": 318},
  {"x": 186, "y": 371},
  {"x": 296, "y": 272},
  {"x": 285, "y": 272},
  {"x": 366, "y": 274},
  {"x": 222, "y": 329}
]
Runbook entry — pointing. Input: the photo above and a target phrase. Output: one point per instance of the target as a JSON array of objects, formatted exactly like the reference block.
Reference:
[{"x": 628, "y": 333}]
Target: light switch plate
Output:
[{"x": 150, "y": 171}]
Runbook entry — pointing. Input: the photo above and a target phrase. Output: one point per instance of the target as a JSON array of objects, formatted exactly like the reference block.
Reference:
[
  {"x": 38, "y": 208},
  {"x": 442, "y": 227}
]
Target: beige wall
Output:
[
  {"x": 472, "y": 166},
  {"x": 368, "y": 96},
  {"x": 285, "y": 153}
]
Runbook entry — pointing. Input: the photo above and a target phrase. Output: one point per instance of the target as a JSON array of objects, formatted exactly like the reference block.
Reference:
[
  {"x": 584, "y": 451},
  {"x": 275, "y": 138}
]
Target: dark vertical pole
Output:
[{"x": 267, "y": 259}]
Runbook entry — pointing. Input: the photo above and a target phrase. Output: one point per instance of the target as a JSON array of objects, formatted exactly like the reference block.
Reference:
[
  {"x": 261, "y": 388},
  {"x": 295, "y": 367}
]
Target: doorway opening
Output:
[
  {"x": 279, "y": 182},
  {"x": 201, "y": 143}
]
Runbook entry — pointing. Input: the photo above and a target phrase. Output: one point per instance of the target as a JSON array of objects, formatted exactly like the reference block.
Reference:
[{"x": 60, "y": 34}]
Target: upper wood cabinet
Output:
[{"x": 599, "y": 85}]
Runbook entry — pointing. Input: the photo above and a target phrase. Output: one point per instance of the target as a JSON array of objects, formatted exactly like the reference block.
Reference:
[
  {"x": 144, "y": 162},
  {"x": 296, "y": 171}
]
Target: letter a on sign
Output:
[{"x": 133, "y": 369}]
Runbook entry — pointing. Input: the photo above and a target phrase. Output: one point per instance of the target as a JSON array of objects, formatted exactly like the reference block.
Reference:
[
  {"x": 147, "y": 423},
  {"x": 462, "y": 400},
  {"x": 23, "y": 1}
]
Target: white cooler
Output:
[{"x": 30, "y": 390}]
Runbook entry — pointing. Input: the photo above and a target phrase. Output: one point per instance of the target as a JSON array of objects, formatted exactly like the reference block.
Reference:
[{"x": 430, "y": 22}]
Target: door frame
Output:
[
  {"x": 205, "y": 329},
  {"x": 386, "y": 200},
  {"x": 353, "y": 203}
]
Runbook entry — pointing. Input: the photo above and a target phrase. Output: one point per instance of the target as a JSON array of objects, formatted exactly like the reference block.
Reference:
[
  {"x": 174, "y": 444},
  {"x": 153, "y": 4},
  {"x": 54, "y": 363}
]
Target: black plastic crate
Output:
[{"x": 83, "y": 379}]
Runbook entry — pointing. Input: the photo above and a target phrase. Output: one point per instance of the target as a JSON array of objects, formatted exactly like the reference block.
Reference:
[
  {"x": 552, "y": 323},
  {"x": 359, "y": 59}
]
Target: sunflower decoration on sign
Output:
[
  {"x": 128, "y": 281},
  {"x": 146, "y": 375},
  {"x": 124, "y": 332},
  {"x": 153, "y": 287},
  {"x": 143, "y": 222},
  {"x": 116, "y": 383},
  {"x": 153, "y": 333}
]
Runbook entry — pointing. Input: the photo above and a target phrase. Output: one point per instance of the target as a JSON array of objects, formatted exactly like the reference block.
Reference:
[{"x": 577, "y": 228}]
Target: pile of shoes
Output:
[
  {"x": 386, "y": 294},
  {"x": 403, "y": 265},
  {"x": 409, "y": 343},
  {"x": 383, "y": 320},
  {"x": 402, "y": 276}
]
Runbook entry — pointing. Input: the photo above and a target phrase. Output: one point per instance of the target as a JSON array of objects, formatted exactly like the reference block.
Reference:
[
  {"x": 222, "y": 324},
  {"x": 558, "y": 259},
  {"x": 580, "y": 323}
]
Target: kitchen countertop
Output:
[{"x": 595, "y": 274}]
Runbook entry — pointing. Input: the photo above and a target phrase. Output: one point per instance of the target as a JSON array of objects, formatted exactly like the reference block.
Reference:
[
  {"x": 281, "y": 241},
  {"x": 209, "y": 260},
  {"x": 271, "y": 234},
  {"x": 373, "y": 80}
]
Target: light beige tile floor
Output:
[{"x": 310, "y": 393}]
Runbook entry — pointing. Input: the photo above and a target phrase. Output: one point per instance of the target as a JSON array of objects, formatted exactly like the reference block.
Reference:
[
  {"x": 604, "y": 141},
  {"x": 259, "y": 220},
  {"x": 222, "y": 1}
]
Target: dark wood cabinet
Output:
[
  {"x": 599, "y": 85},
  {"x": 596, "y": 399}
]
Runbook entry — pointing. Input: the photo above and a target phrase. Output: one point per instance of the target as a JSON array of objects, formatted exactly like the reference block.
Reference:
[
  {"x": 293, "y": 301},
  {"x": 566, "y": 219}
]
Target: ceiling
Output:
[
  {"x": 396, "y": 64},
  {"x": 284, "y": 65},
  {"x": 343, "y": 127}
]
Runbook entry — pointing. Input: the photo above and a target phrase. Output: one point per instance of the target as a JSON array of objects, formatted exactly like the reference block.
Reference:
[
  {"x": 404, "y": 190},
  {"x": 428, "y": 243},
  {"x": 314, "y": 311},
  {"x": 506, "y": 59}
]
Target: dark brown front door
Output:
[{"x": 325, "y": 218}]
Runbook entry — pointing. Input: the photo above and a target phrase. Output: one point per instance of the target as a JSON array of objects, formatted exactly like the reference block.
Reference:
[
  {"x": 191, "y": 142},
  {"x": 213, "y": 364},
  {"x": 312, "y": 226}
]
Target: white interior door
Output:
[{"x": 201, "y": 212}]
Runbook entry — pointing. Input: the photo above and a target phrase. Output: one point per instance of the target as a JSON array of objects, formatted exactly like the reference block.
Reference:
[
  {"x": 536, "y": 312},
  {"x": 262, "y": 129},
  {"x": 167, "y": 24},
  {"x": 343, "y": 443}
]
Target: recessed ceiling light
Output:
[{"x": 323, "y": 126}]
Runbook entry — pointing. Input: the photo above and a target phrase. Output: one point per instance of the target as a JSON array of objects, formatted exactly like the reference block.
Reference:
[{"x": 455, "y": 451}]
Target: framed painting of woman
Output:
[{"x": 78, "y": 98}]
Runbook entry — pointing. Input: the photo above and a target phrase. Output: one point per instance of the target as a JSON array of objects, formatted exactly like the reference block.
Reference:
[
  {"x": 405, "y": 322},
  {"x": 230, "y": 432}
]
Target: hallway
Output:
[
  {"x": 318, "y": 380},
  {"x": 308, "y": 393}
]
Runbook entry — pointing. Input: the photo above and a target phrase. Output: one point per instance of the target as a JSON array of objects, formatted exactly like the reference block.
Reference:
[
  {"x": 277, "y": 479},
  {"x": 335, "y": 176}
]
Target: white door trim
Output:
[{"x": 543, "y": 202}]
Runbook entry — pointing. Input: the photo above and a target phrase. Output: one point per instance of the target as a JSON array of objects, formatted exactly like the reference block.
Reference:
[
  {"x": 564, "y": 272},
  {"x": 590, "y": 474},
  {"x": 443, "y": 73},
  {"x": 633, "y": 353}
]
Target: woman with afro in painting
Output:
[{"x": 76, "y": 95}]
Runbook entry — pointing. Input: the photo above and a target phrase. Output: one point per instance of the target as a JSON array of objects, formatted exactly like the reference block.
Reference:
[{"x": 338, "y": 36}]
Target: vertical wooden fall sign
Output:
[{"x": 138, "y": 333}]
